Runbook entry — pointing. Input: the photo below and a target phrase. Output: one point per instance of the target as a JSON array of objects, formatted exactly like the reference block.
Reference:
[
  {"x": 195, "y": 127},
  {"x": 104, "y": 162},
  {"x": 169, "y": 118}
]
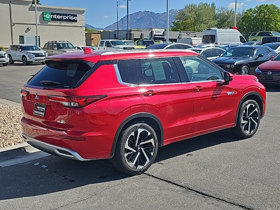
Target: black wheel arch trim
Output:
[
  {"x": 250, "y": 95},
  {"x": 135, "y": 117}
]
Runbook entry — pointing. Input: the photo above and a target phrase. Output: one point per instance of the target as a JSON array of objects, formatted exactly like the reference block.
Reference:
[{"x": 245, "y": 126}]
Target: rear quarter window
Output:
[{"x": 61, "y": 74}]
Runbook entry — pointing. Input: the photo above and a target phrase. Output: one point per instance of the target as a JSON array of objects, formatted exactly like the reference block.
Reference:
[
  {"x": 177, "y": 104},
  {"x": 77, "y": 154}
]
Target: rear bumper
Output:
[{"x": 52, "y": 149}]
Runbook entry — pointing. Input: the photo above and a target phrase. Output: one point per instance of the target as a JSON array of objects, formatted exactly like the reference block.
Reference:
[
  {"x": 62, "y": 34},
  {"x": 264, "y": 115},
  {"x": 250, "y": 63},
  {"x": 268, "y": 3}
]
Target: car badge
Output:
[
  {"x": 37, "y": 97},
  {"x": 269, "y": 73}
]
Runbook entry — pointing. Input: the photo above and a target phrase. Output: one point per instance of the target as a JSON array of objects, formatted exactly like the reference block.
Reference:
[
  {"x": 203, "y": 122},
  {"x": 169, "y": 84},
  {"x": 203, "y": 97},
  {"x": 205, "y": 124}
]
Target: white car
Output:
[
  {"x": 113, "y": 44},
  {"x": 4, "y": 59},
  {"x": 26, "y": 54}
]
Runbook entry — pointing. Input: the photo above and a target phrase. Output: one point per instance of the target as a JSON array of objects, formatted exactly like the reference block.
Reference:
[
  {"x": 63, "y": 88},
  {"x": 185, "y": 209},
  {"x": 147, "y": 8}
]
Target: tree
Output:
[
  {"x": 37, "y": 1},
  {"x": 195, "y": 17},
  {"x": 225, "y": 18},
  {"x": 261, "y": 18}
]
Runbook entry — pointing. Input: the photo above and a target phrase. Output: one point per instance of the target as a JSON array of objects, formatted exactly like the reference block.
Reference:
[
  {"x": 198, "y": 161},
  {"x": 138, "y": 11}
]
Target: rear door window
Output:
[
  {"x": 61, "y": 74},
  {"x": 148, "y": 71}
]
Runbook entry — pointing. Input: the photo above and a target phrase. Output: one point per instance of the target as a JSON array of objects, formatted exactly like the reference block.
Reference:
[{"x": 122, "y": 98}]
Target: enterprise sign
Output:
[{"x": 50, "y": 16}]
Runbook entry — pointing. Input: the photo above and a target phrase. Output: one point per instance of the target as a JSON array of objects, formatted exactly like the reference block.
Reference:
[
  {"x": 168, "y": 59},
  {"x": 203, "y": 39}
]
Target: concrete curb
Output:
[{"x": 9, "y": 103}]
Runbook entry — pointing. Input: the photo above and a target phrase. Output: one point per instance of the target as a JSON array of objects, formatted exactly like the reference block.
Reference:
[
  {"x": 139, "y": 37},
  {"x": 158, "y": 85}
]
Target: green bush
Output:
[{"x": 2, "y": 48}]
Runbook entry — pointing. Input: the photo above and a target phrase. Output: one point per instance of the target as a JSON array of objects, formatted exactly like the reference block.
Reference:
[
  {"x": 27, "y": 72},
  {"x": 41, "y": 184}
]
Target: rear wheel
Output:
[
  {"x": 5, "y": 64},
  {"x": 137, "y": 149},
  {"x": 24, "y": 60},
  {"x": 248, "y": 120}
]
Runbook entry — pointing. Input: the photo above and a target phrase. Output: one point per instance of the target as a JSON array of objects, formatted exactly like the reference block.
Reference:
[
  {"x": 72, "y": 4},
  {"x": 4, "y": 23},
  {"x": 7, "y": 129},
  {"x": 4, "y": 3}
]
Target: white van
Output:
[{"x": 222, "y": 36}]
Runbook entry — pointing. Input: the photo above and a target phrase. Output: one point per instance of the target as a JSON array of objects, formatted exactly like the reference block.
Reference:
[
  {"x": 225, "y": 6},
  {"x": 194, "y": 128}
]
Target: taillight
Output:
[
  {"x": 75, "y": 101},
  {"x": 24, "y": 93}
]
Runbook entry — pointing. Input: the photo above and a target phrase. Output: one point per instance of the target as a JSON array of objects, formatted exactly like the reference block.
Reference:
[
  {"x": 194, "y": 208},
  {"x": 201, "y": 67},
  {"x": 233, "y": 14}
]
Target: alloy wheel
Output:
[
  {"x": 250, "y": 119},
  {"x": 139, "y": 148}
]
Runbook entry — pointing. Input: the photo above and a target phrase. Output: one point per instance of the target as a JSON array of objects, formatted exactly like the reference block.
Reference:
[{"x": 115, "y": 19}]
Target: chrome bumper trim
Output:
[{"x": 52, "y": 149}]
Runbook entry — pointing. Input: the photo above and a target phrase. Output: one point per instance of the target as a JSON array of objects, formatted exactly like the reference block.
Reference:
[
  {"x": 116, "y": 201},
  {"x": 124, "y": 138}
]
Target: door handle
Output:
[
  {"x": 197, "y": 89},
  {"x": 149, "y": 93}
]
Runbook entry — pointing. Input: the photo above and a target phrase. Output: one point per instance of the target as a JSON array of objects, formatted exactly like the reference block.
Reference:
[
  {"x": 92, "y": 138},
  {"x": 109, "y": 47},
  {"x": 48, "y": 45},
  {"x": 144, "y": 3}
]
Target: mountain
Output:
[
  {"x": 145, "y": 19},
  {"x": 91, "y": 27}
]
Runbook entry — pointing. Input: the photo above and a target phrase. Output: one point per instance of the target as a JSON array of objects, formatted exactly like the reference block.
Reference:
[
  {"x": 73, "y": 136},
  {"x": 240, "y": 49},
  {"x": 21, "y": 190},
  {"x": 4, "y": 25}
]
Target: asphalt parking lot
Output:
[{"x": 215, "y": 171}]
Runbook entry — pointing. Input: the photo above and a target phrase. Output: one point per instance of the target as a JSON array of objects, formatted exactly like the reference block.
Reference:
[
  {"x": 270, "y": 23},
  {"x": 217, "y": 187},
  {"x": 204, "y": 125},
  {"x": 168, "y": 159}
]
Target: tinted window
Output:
[
  {"x": 62, "y": 74},
  {"x": 261, "y": 51},
  {"x": 158, "y": 71},
  {"x": 264, "y": 33},
  {"x": 200, "y": 70},
  {"x": 206, "y": 39},
  {"x": 239, "y": 52},
  {"x": 129, "y": 71},
  {"x": 148, "y": 71},
  {"x": 253, "y": 34}
]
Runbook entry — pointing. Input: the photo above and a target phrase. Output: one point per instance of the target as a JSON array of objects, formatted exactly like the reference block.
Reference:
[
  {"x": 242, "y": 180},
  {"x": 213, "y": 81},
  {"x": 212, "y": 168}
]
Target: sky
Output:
[{"x": 102, "y": 13}]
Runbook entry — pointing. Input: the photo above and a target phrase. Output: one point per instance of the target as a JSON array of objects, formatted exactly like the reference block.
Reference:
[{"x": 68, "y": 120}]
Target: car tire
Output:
[
  {"x": 248, "y": 119},
  {"x": 11, "y": 61},
  {"x": 24, "y": 60},
  {"x": 245, "y": 69},
  {"x": 136, "y": 149},
  {"x": 43, "y": 63},
  {"x": 5, "y": 64}
]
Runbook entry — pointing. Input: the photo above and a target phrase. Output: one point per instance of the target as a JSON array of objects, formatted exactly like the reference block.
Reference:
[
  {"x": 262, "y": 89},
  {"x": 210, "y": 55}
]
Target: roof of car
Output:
[{"x": 95, "y": 56}]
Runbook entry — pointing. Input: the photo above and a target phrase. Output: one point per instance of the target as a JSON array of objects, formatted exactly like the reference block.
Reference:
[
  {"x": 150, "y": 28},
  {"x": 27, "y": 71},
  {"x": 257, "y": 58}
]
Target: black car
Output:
[
  {"x": 244, "y": 59},
  {"x": 166, "y": 46}
]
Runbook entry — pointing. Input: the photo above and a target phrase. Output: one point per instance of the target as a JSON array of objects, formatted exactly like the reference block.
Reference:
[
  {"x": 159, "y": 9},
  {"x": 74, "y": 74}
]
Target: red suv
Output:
[{"x": 124, "y": 105}]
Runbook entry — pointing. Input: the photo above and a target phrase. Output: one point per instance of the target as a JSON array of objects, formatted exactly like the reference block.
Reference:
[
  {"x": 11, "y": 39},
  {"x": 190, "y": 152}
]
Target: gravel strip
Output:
[{"x": 10, "y": 127}]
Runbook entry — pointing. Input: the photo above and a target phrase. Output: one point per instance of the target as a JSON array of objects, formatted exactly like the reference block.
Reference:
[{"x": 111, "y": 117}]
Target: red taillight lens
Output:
[
  {"x": 24, "y": 93},
  {"x": 75, "y": 101}
]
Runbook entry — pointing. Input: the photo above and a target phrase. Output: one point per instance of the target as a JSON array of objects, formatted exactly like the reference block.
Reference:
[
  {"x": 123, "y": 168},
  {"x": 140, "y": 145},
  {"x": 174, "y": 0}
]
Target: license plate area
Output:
[{"x": 39, "y": 109}]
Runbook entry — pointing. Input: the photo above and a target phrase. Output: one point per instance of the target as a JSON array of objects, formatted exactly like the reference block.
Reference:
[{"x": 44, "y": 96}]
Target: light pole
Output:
[
  {"x": 167, "y": 26},
  {"x": 37, "y": 38},
  {"x": 235, "y": 6},
  {"x": 127, "y": 36},
  {"x": 117, "y": 19}
]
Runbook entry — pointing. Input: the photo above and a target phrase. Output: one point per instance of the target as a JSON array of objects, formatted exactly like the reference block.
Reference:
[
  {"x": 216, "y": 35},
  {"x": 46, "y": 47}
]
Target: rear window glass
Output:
[
  {"x": 61, "y": 74},
  {"x": 207, "y": 39}
]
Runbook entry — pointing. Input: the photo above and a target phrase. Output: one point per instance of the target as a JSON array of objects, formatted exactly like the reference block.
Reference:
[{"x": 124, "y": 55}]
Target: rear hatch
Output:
[{"x": 47, "y": 96}]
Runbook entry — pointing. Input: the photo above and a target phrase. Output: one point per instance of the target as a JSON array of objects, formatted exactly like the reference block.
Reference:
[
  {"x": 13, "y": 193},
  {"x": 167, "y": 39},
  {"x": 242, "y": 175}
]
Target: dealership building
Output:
[{"x": 21, "y": 21}]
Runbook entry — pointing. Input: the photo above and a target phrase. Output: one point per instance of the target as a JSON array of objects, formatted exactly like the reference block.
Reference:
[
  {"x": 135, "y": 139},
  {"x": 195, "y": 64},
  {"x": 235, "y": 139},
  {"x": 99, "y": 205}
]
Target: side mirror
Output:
[
  {"x": 227, "y": 77},
  {"x": 259, "y": 56}
]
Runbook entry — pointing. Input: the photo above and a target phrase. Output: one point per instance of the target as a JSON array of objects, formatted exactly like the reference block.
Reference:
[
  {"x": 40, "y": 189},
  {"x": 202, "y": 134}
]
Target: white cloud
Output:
[
  {"x": 106, "y": 17},
  {"x": 238, "y": 5}
]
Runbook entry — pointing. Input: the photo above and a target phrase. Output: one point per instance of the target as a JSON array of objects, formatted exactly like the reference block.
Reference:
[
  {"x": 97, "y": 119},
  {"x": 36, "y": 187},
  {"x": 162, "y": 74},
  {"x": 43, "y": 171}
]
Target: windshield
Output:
[
  {"x": 239, "y": 52},
  {"x": 157, "y": 46},
  {"x": 275, "y": 33},
  {"x": 130, "y": 43},
  {"x": 273, "y": 46},
  {"x": 31, "y": 47},
  {"x": 277, "y": 58},
  {"x": 66, "y": 45},
  {"x": 117, "y": 42}
]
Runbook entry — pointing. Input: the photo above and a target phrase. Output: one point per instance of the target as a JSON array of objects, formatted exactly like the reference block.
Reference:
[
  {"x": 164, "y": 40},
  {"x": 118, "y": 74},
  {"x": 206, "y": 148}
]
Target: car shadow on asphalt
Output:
[
  {"x": 54, "y": 174},
  {"x": 272, "y": 88}
]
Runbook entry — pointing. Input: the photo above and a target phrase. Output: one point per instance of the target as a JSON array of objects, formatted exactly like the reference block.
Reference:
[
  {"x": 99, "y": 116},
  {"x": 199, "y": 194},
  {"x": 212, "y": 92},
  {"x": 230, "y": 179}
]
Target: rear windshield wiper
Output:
[{"x": 50, "y": 83}]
